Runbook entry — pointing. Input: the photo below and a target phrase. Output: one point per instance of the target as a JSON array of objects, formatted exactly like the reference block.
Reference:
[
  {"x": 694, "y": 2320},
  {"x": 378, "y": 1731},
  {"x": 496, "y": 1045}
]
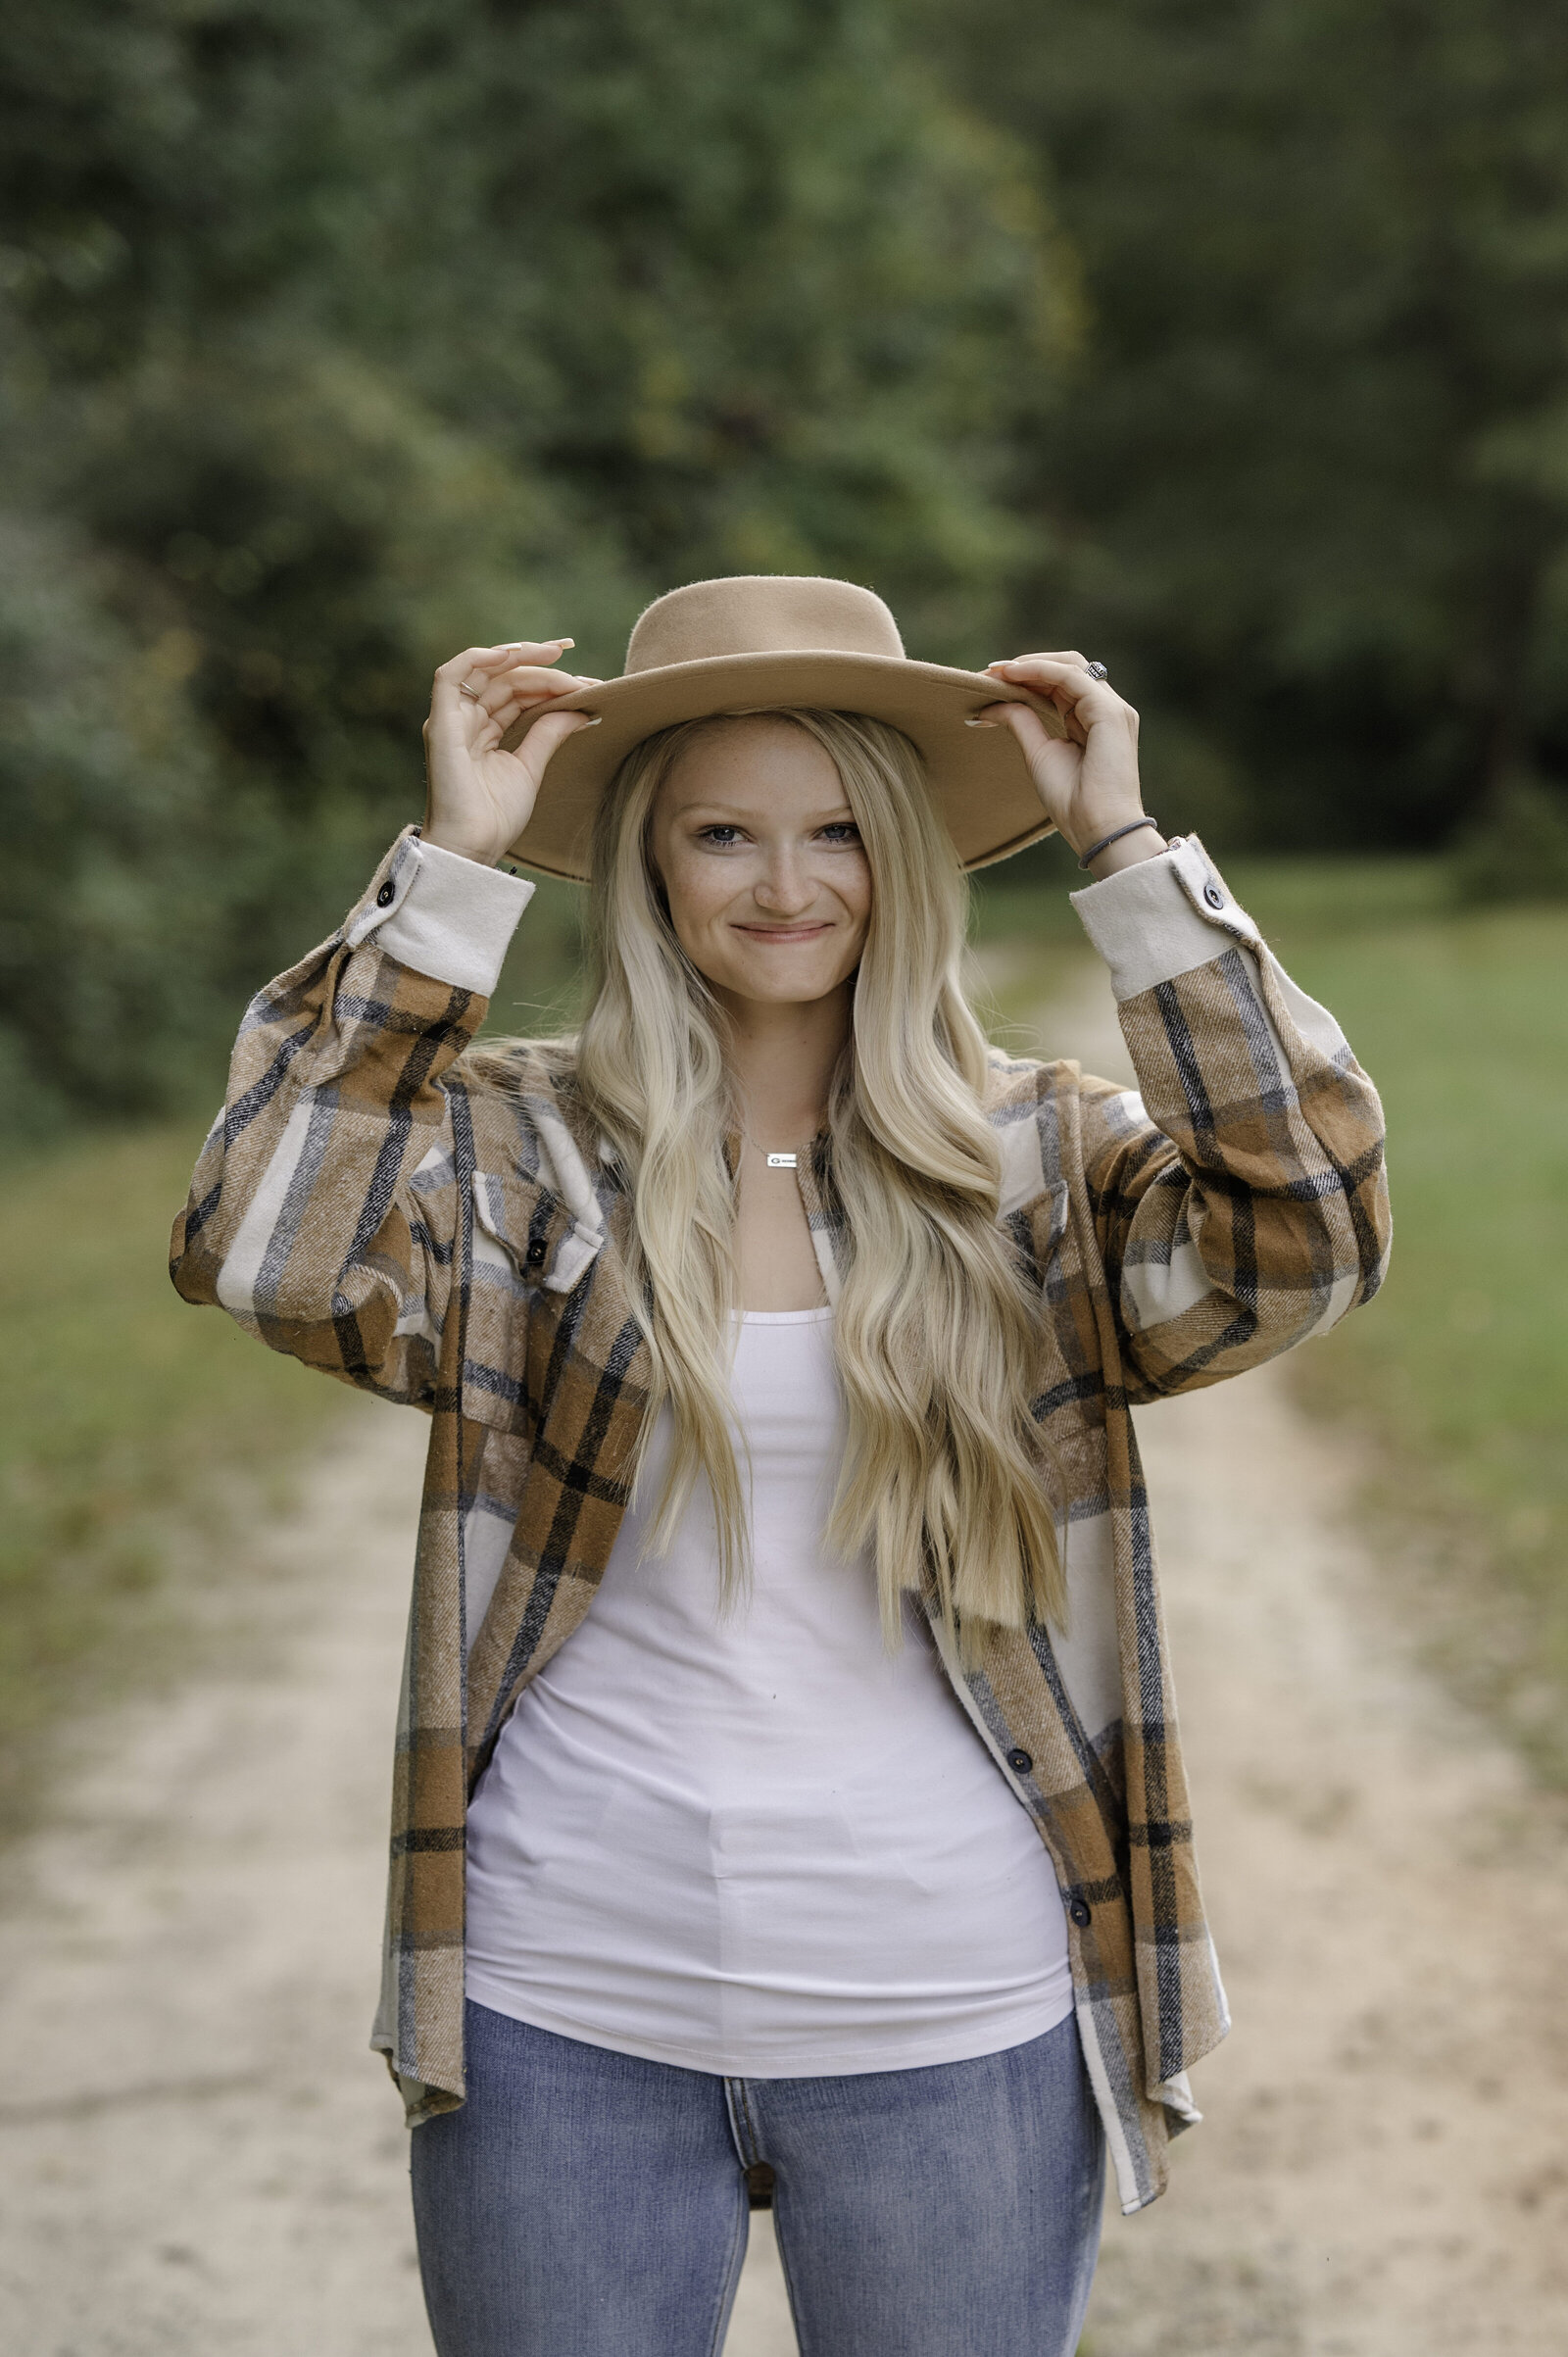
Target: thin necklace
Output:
[
  {"x": 781, "y": 1161},
  {"x": 774, "y": 1161}
]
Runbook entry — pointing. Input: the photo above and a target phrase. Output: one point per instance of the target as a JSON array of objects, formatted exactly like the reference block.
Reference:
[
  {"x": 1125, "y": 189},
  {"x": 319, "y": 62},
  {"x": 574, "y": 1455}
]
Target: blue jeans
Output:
[{"x": 589, "y": 2205}]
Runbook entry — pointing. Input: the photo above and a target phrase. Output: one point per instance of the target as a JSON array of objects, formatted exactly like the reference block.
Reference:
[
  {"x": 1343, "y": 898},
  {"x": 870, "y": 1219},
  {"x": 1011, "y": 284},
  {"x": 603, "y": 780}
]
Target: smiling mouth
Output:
[{"x": 804, "y": 932}]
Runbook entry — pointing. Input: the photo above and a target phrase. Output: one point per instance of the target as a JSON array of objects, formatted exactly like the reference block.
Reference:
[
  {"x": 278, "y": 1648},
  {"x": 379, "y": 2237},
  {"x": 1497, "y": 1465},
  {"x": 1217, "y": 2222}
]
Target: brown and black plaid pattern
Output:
[{"x": 359, "y": 1205}]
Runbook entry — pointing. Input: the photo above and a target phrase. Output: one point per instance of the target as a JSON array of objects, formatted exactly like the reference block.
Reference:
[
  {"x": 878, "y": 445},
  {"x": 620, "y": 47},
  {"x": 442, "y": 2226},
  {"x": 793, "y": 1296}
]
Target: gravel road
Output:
[{"x": 203, "y": 2160}]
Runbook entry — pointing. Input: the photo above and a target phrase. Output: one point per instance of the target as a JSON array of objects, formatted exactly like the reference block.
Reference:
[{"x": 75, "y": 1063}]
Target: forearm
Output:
[
  {"x": 1243, "y": 1203},
  {"x": 305, "y": 1220},
  {"x": 1126, "y": 845}
]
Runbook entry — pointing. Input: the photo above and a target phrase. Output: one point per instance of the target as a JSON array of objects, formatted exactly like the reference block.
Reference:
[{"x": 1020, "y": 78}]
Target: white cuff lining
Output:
[
  {"x": 454, "y": 920},
  {"x": 1162, "y": 916}
]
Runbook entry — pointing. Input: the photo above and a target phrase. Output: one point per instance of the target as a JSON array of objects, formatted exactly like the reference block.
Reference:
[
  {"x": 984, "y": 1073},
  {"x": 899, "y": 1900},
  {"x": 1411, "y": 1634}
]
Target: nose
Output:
[{"x": 783, "y": 887}]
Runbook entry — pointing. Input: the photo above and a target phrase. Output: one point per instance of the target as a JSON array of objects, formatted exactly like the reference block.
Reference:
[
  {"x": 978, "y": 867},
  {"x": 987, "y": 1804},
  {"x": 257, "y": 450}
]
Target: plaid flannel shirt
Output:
[{"x": 363, "y": 1206}]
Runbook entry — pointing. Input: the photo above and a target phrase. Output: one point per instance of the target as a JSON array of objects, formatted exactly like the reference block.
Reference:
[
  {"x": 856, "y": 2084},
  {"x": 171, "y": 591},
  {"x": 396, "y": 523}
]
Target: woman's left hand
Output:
[{"x": 1088, "y": 780}]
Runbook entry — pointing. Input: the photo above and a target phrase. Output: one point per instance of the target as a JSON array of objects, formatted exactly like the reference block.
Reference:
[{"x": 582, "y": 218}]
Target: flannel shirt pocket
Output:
[
  {"x": 527, "y": 1241},
  {"x": 548, "y": 1243},
  {"x": 518, "y": 1232}
]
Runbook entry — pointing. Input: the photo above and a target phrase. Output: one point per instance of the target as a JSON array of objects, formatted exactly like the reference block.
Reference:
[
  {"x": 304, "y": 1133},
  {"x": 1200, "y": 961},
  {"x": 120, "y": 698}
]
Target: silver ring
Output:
[
  {"x": 1098, "y": 671},
  {"x": 473, "y": 692}
]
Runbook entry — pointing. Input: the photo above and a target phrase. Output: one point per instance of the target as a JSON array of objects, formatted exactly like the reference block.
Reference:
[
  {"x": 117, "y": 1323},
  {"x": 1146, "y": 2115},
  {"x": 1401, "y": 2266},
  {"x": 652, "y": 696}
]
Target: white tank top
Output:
[{"x": 753, "y": 1842}]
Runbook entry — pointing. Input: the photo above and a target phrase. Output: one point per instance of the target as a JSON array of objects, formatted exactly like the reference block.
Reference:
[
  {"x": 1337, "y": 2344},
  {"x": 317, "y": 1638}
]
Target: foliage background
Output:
[
  {"x": 341, "y": 336},
  {"x": 1223, "y": 336}
]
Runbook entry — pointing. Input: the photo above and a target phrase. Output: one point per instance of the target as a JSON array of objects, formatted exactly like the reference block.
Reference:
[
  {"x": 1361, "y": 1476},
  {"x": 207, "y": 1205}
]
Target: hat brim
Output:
[{"x": 979, "y": 781}]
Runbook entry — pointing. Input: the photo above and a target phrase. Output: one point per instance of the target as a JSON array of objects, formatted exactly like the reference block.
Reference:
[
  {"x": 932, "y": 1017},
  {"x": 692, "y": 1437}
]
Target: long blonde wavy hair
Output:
[{"x": 945, "y": 1472}]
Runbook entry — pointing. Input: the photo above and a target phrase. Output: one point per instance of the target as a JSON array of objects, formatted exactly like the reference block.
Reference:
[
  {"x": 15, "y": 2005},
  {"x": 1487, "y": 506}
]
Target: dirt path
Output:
[
  {"x": 1381, "y": 2172},
  {"x": 202, "y": 2160},
  {"x": 201, "y": 2157},
  {"x": 1381, "y": 2169}
]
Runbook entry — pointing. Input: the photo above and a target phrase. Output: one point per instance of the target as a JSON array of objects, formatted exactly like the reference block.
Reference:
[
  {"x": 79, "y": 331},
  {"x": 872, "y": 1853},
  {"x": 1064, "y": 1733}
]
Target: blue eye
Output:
[{"x": 721, "y": 835}]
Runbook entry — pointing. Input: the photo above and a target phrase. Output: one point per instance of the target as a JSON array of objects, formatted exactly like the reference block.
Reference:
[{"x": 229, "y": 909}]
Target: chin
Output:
[{"x": 786, "y": 989}]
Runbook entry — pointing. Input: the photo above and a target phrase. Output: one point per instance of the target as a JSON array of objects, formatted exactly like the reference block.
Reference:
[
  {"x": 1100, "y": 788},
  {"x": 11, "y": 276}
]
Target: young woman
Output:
[{"x": 779, "y": 1339}]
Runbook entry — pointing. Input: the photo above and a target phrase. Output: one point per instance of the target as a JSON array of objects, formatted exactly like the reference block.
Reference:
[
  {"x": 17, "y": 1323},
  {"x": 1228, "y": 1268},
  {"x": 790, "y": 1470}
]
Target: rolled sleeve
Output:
[
  {"x": 443, "y": 915},
  {"x": 1240, "y": 1193},
  {"x": 1162, "y": 918}
]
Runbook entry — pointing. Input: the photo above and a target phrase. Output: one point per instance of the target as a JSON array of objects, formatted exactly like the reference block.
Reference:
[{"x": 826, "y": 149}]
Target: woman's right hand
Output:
[{"x": 479, "y": 799}]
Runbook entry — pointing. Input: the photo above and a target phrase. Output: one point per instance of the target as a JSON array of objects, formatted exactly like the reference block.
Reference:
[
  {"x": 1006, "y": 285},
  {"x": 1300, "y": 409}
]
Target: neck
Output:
[{"x": 783, "y": 1059}]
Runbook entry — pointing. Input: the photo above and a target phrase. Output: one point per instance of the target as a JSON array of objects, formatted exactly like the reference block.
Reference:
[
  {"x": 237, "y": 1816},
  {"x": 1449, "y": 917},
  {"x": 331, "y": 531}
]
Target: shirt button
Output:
[
  {"x": 1019, "y": 1762},
  {"x": 1213, "y": 895},
  {"x": 536, "y": 1253},
  {"x": 387, "y": 895},
  {"x": 1078, "y": 1910}
]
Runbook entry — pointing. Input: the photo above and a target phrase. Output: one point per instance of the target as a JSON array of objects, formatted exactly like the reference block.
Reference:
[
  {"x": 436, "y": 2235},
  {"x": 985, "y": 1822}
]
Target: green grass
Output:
[
  {"x": 121, "y": 1408},
  {"x": 130, "y": 1422},
  {"x": 1458, "y": 1372},
  {"x": 1460, "y": 1368}
]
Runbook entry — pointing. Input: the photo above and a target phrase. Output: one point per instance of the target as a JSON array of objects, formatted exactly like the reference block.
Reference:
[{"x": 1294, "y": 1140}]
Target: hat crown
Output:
[{"x": 762, "y": 614}]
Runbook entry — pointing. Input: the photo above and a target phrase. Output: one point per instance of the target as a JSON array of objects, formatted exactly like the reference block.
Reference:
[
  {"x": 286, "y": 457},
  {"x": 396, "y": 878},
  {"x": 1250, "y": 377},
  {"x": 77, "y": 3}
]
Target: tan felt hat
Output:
[{"x": 756, "y": 640}]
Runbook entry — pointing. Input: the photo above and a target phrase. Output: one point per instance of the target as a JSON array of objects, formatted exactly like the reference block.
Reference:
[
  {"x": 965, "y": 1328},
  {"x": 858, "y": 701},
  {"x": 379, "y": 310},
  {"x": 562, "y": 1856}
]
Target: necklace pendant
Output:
[{"x": 781, "y": 1161}]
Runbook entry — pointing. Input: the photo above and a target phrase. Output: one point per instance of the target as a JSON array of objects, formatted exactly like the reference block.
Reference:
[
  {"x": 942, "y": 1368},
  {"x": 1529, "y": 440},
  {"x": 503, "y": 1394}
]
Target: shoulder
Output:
[
  {"x": 515, "y": 1072},
  {"x": 1053, "y": 1122},
  {"x": 520, "y": 1090},
  {"x": 1031, "y": 1106},
  {"x": 1014, "y": 1081}
]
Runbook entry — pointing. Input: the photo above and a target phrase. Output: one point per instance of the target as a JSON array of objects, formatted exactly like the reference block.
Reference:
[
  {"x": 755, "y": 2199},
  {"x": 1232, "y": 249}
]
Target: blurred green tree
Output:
[
  {"x": 341, "y": 335},
  {"x": 1309, "y": 482}
]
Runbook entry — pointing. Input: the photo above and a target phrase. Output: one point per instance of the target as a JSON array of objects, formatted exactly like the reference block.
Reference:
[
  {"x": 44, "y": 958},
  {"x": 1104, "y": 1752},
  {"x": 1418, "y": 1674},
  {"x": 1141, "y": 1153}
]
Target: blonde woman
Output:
[{"x": 788, "y": 1802}]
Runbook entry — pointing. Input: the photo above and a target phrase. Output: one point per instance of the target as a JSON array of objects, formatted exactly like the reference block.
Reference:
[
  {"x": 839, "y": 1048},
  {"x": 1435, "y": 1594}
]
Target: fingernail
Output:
[
  {"x": 590, "y": 719},
  {"x": 978, "y": 720}
]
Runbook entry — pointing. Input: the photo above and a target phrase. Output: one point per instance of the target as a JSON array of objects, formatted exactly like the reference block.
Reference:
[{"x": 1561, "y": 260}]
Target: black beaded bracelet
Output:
[{"x": 1105, "y": 841}]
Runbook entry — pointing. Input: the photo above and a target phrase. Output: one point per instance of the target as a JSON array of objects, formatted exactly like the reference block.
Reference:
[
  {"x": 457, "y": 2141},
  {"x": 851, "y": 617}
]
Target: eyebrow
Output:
[{"x": 730, "y": 811}]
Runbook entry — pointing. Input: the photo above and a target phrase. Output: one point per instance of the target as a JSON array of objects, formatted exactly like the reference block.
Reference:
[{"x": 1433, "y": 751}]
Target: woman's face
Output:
[{"x": 768, "y": 885}]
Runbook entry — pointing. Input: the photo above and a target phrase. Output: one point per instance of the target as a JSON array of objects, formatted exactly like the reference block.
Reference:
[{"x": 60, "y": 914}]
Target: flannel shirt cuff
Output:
[
  {"x": 1161, "y": 917},
  {"x": 444, "y": 915}
]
